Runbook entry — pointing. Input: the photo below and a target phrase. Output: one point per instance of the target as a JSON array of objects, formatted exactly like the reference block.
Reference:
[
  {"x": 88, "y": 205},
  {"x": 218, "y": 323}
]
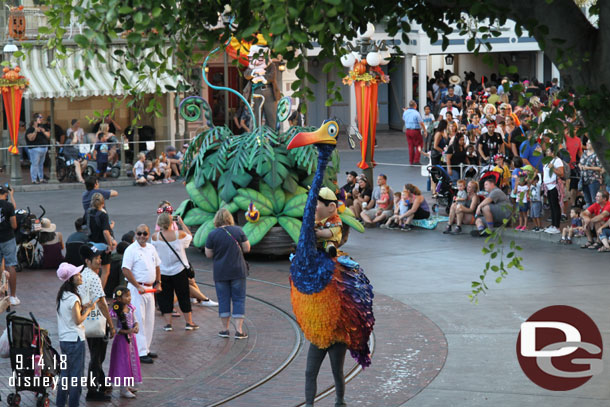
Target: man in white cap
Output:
[{"x": 141, "y": 267}]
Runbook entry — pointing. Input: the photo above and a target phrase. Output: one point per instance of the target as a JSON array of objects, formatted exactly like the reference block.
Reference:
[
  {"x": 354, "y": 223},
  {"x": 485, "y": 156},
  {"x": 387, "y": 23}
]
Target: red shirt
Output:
[
  {"x": 596, "y": 209},
  {"x": 574, "y": 147}
]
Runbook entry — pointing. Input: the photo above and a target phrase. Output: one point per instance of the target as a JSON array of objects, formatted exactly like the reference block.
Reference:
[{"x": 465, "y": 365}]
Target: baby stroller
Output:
[
  {"x": 29, "y": 251},
  {"x": 488, "y": 175},
  {"x": 445, "y": 190},
  {"x": 33, "y": 360}
]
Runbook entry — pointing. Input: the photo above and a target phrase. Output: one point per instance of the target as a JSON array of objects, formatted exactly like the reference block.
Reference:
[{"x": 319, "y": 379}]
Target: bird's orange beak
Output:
[{"x": 327, "y": 134}]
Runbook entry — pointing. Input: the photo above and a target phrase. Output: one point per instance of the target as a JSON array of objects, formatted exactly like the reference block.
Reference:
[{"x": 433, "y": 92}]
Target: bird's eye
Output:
[{"x": 333, "y": 130}]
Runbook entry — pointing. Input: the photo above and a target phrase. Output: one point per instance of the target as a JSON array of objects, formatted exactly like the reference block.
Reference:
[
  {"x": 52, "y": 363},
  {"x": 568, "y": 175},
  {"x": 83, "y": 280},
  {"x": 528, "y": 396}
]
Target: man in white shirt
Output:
[
  {"x": 141, "y": 267},
  {"x": 450, "y": 108},
  {"x": 91, "y": 290}
]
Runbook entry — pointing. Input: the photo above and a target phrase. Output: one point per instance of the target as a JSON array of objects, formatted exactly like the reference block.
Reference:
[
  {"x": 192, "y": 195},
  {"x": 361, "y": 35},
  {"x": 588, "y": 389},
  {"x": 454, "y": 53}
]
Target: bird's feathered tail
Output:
[{"x": 341, "y": 312}]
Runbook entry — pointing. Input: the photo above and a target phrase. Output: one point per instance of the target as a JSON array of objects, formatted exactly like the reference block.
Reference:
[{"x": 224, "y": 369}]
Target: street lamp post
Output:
[{"x": 365, "y": 51}]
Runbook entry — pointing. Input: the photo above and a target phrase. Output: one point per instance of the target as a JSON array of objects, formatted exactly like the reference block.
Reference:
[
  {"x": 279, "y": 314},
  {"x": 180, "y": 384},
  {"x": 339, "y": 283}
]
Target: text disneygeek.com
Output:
[{"x": 66, "y": 382}]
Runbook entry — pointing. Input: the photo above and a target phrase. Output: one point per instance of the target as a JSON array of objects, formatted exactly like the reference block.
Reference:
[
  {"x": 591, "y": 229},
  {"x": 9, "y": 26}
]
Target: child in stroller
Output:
[{"x": 445, "y": 191}]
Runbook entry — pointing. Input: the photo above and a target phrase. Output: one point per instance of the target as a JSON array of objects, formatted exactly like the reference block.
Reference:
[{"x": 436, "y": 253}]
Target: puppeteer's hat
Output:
[
  {"x": 327, "y": 194},
  {"x": 455, "y": 79}
]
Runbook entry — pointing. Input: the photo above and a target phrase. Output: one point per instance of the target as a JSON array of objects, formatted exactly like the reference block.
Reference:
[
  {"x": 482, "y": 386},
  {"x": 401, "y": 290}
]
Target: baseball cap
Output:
[
  {"x": 170, "y": 148},
  {"x": 67, "y": 270},
  {"x": 88, "y": 252},
  {"x": 352, "y": 173}
]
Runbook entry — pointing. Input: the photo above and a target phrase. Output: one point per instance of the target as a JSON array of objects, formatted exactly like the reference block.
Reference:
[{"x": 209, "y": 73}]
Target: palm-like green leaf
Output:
[
  {"x": 277, "y": 197},
  {"x": 202, "y": 233},
  {"x": 352, "y": 222},
  {"x": 256, "y": 231},
  {"x": 292, "y": 226},
  {"x": 205, "y": 198},
  {"x": 247, "y": 195},
  {"x": 183, "y": 208},
  {"x": 295, "y": 206},
  {"x": 197, "y": 216}
]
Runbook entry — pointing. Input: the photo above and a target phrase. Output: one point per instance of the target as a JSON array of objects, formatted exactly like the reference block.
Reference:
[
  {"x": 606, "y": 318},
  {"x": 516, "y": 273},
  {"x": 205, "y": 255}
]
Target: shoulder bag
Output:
[
  {"x": 240, "y": 249},
  {"x": 95, "y": 324},
  {"x": 190, "y": 273}
]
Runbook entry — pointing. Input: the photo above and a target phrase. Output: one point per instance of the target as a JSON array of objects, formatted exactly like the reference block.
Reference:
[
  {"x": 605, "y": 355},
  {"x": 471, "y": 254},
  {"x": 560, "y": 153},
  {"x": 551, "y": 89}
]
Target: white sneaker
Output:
[
  {"x": 552, "y": 230},
  {"x": 208, "y": 303},
  {"x": 125, "y": 393},
  {"x": 14, "y": 301}
]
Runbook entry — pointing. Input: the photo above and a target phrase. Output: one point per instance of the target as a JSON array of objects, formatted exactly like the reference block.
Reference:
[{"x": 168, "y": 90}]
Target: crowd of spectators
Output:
[{"x": 469, "y": 130}]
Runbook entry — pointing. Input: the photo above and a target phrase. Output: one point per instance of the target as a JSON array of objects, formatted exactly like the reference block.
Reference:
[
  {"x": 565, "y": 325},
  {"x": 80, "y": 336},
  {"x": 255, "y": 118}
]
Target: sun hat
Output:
[
  {"x": 67, "y": 270},
  {"x": 47, "y": 226},
  {"x": 454, "y": 79}
]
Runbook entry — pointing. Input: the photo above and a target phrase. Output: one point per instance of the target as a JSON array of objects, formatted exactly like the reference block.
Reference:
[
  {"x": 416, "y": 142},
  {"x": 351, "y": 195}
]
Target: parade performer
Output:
[
  {"x": 328, "y": 223},
  {"x": 331, "y": 297}
]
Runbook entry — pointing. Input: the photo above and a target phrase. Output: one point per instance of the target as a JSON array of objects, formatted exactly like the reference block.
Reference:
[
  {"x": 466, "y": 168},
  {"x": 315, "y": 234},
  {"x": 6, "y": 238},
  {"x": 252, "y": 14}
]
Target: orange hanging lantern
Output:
[
  {"x": 16, "y": 23},
  {"x": 366, "y": 85},
  {"x": 13, "y": 85}
]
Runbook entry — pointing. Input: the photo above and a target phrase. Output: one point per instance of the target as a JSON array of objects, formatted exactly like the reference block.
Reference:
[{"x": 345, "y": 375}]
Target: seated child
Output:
[
  {"x": 383, "y": 204},
  {"x": 574, "y": 228},
  {"x": 328, "y": 223},
  {"x": 400, "y": 208},
  {"x": 462, "y": 195},
  {"x": 139, "y": 173}
]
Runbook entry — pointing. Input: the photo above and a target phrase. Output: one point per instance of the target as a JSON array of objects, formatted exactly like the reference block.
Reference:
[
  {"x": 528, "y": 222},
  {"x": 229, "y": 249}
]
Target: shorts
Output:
[
  {"x": 605, "y": 234},
  {"x": 371, "y": 213},
  {"x": 574, "y": 183},
  {"x": 524, "y": 207},
  {"x": 536, "y": 209},
  {"x": 500, "y": 212},
  {"x": 8, "y": 252}
]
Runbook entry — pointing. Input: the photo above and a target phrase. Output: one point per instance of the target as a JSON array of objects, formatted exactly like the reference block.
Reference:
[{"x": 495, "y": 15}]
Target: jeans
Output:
[
  {"x": 97, "y": 351},
  {"x": 37, "y": 156},
  {"x": 8, "y": 252},
  {"x": 589, "y": 191},
  {"x": 75, "y": 367},
  {"x": 231, "y": 290}
]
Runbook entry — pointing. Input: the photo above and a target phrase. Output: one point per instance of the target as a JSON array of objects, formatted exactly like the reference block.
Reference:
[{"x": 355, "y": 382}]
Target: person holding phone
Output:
[
  {"x": 92, "y": 289},
  {"x": 38, "y": 138}
]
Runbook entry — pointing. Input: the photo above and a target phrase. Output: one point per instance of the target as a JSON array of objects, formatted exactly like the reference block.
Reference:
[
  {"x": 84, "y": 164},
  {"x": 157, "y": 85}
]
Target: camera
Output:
[
  {"x": 175, "y": 217},
  {"x": 7, "y": 186}
]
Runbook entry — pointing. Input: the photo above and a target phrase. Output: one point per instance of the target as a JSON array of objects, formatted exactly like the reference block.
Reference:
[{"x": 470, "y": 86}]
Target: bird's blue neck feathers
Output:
[{"x": 311, "y": 270}]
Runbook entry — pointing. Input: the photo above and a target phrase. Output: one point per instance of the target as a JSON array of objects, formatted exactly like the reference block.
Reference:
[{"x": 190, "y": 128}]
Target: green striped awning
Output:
[{"x": 47, "y": 81}]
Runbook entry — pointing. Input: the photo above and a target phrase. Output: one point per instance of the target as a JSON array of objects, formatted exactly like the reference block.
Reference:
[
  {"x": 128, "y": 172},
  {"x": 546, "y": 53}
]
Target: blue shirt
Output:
[
  {"x": 412, "y": 119},
  {"x": 527, "y": 151}
]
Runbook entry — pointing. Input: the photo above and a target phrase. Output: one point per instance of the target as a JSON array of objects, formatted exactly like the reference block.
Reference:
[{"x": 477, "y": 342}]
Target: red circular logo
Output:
[{"x": 559, "y": 348}]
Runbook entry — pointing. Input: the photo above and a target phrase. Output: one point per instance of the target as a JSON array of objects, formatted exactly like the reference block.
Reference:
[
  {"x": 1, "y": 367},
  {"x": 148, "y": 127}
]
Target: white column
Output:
[
  {"x": 422, "y": 70},
  {"x": 555, "y": 74},
  {"x": 408, "y": 75},
  {"x": 352, "y": 110},
  {"x": 540, "y": 66}
]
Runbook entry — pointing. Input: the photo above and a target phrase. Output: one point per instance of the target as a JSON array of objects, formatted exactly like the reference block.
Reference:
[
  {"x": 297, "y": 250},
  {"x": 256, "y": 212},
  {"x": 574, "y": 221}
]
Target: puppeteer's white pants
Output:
[{"x": 145, "y": 316}]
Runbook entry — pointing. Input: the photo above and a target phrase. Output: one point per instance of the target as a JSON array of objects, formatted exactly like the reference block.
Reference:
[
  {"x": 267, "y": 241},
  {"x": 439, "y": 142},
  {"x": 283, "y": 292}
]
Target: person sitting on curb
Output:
[
  {"x": 593, "y": 218},
  {"x": 492, "y": 211},
  {"x": 463, "y": 212},
  {"x": 418, "y": 207}
]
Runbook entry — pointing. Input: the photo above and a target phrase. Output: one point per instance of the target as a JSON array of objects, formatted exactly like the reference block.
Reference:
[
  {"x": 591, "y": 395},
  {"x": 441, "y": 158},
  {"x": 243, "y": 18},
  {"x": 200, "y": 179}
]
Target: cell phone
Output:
[{"x": 175, "y": 217}]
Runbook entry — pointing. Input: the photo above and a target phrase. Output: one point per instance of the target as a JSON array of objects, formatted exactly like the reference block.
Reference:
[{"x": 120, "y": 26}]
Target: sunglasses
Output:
[{"x": 142, "y": 233}]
